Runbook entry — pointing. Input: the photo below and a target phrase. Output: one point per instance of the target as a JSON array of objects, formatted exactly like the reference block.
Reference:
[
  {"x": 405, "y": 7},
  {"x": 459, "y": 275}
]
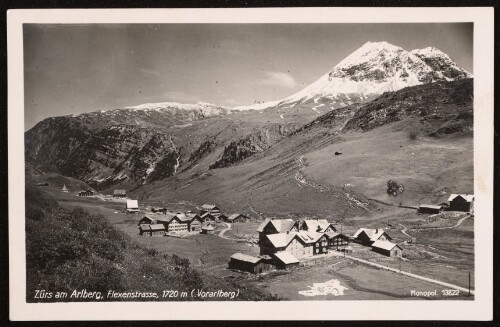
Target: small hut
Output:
[{"x": 65, "y": 189}]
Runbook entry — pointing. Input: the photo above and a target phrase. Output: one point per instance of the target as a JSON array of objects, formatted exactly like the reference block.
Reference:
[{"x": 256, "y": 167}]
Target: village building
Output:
[
  {"x": 275, "y": 226},
  {"x": 176, "y": 224},
  {"x": 210, "y": 208},
  {"x": 222, "y": 217},
  {"x": 254, "y": 265},
  {"x": 65, "y": 189},
  {"x": 147, "y": 220},
  {"x": 237, "y": 218},
  {"x": 285, "y": 260},
  {"x": 152, "y": 230},
  {"x": 430, "y": 208},
  {"x": 387, "y": 248},
  {"x": 208, "y": 218},
  {"x": 207, "y": 229},
  {"x": 86, "y": 193},
  {"x": 132, "y": 206},
  {"x": 367, "y": 236},
  {"x": 317, "y": 225},
  {"x": 461, "y": 202},
  {"x": 195, "y": 222},
  {"x": 299, "y": 244},
  {"x": 159, "y": 210},
  {"x": 120, "y": 194},
  {"x": 337, "y": 240}
]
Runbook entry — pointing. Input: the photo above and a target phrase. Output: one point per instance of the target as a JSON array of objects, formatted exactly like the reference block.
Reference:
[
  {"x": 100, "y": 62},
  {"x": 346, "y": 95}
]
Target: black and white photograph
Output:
[{"x": 328, "y": 162}]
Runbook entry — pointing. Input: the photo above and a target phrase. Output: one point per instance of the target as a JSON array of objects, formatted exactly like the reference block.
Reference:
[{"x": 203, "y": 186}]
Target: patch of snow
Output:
[{"x": 331, "y": 287}]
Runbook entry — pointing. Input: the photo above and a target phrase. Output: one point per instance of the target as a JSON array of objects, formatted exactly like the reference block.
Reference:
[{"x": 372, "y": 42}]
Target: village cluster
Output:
[{"x": 283, "y": 243}]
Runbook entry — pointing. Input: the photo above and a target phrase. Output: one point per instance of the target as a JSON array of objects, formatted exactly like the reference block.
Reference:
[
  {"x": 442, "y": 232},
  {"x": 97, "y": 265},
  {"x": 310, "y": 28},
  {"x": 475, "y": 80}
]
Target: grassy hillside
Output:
[
  {"x": 69, "y": 250},
  {"x": 420, "y": 137}
]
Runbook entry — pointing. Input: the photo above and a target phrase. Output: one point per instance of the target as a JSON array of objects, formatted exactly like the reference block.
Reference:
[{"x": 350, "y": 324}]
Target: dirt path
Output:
[
  {"x": 430, "y": 280},
  {"x": 459, "y": 222},
  {"x": 228, "y": 227}
]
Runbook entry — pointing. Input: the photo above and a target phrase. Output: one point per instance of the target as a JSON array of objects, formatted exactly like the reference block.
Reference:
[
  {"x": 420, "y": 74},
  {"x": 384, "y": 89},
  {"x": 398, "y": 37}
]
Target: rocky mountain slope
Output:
[
  {"x": 373, "y": 69},
  {"x": 138, "y": 146}
]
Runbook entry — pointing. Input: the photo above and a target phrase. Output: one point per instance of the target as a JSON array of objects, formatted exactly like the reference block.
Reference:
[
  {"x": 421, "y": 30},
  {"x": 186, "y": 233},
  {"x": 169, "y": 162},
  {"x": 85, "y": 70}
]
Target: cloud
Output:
[{"x": 279, "y": 79}]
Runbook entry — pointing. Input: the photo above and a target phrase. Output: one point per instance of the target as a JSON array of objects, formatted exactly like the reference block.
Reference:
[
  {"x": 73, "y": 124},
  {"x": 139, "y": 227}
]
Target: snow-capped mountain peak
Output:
[{"x": 374, "y": 68}]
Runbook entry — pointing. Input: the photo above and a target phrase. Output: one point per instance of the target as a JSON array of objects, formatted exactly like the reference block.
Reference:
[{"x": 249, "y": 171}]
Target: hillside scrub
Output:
[{"x": 69, "y": 250}]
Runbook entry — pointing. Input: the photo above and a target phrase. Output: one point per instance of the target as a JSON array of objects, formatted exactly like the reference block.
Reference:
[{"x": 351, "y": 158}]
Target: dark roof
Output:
[{"x": 245, "y": 257}]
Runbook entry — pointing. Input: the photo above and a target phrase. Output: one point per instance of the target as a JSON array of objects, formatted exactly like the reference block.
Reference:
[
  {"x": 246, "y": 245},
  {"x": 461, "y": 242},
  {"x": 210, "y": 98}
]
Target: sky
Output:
[{"x": 72, "y": 69}]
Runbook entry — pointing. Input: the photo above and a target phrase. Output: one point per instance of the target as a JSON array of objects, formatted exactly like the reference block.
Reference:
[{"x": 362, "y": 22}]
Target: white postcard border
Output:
[{"x": 479, "y": 309}]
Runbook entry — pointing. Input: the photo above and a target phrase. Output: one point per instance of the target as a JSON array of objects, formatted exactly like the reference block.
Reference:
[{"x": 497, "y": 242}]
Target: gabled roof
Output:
[
  {"x": 132, "y": 204},
  {"x": 145, "y": 227},
  {"x": 281, "y": 239},
  {"x": 207, "y": 214},
  {"x": 466, "y": 197},
  {"x": 209, "y": 207},
  {"x": 236, "y": 215},
  {"x": 245, "y": 257},
  {"x": 317, "y": 225},
  {"x": 309, "y": 237},
  {"x": 332, "y": 234},
  {"x": 286, "y": 257},
  {"x": 152, "y": 220},
  {"x": 373, "y": 234},
  {"x": 157, "y": 227},
  {"x": 183, "y": 217},
  {"x": 281, "y": 225},
  {"x": 385, "y": 245}
]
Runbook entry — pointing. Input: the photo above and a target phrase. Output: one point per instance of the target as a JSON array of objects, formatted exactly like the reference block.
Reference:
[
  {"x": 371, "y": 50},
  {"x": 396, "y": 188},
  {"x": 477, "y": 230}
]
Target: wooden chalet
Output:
[
  {"x": 430, "y": 208},
  {"x": 176, "y": 223},
  {"x": 254, "y": 265},
  {"x": 300, "y": 244},
  {"x": 207, "y": 229},
  {"x": 387, "y": 248},
  {"x": 275, "y": 226},
  {"x": 120, "y": 194},
  {"x": 285, "y": 260},
  {"x": 208, "y": 218},
  {"x": 152, "y": 230},
  {"x": 317, "y": 225},
  {"x": 337, "y": 240},
  {"x": 461, "y": 202},
  {"x": 86, "y": 193},
  {"x": 367, "y": 236},
  {"x": 210, "y": 208},
  {"x": 195, "y": 222},
  {"x": 159, "y": 210},
  {"x": 237, "y": 218}
]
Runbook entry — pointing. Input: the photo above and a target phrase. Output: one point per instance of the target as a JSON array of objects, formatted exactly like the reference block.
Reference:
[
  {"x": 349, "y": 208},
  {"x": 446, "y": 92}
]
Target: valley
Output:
[{"x": 383, "y": 115}]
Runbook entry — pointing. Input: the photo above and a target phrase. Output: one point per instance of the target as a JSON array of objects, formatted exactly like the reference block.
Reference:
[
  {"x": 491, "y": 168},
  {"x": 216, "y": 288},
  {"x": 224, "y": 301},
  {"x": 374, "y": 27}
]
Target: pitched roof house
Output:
[
  {"x": 387, "y": 248},
  {"x": 461, "y": 202},
  {"x": 367, "y": 236}
]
